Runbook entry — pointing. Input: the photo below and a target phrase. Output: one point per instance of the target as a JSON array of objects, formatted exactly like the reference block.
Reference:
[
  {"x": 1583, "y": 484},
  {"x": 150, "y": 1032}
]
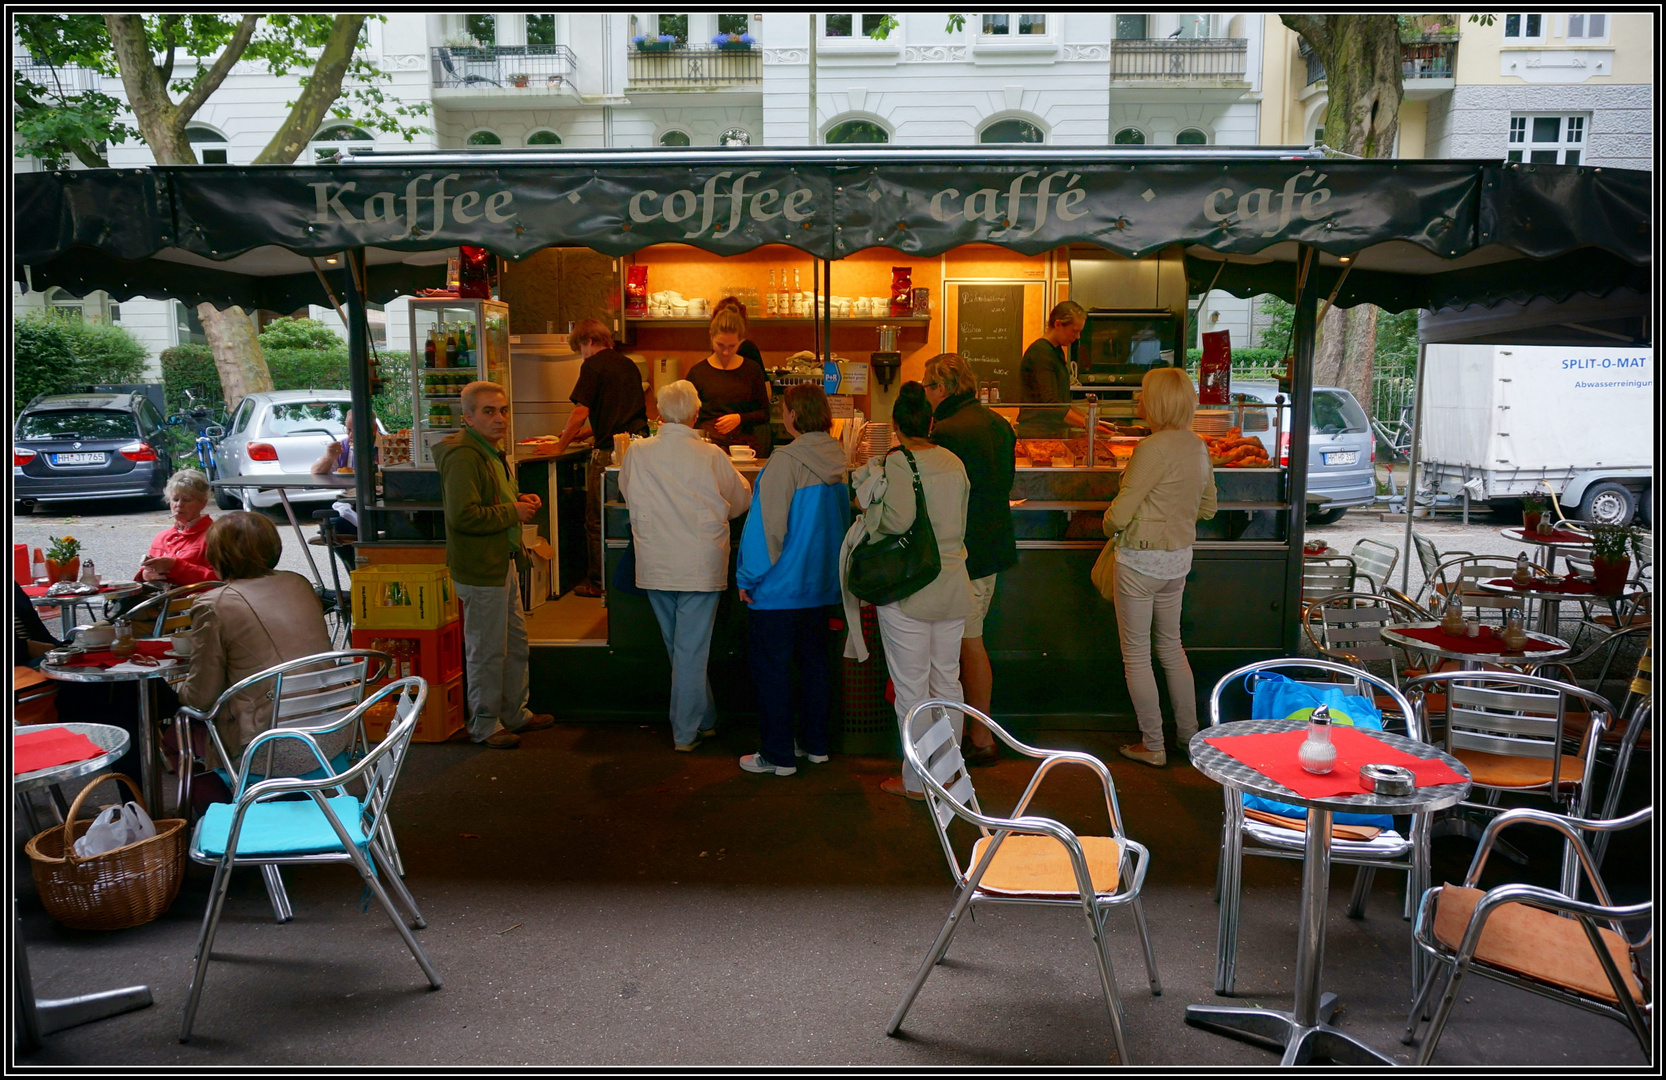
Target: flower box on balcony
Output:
[
  {"x": 518, "y": 80},
  {"x": 739, "y": 42},
  {"x": 663, "y": 43}
]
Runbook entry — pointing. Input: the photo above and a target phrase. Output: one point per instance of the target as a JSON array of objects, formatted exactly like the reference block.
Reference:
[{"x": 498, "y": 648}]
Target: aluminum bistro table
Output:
[
  {"x": 150, "y": 774},
  {"x": 1550, "y": 602},
  {"x": 1475, "y": 661},
  {"x": 1306, "y": 1033},
  {"x": 39, "y": 1017},
  {"x": 283, "y": 483},
  {"x": 1523, "y": 536},
  {"x": 66, "y": 605}
]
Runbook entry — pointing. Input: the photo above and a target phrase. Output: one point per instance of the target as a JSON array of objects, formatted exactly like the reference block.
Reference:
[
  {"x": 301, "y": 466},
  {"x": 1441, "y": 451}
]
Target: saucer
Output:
[{"x": 177, "y": 655}]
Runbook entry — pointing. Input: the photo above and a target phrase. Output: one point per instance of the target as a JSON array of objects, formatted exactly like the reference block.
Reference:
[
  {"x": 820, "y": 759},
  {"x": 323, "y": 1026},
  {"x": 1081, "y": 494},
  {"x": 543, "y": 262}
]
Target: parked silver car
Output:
[
  {"x": 1341, "y": 448},
  {"x": 284, "y": 432}
]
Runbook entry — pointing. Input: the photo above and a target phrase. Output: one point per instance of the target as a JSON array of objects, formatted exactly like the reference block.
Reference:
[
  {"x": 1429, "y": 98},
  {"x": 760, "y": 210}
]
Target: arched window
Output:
[
  {"x": 543, "y": 138},
  {"x": 198, "y": 136},
  {"x": 484, "y": 138},
  {"x": 735, "y": 137},
  {"x": 334, "y": 137},
  {"x": 1130, "y": 137},
  {"x": 1012, "y": 131},
  {"x": 62, "y": 304},
  {"x": 1191, "y": 137},
  {"x": 857, "y": 131},
  {"x": 674, "y": 138}
]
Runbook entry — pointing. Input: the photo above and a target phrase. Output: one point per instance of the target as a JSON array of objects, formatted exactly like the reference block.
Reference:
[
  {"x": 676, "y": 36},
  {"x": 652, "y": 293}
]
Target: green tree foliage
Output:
[
  {"x": 1281, "y": 321},
  {"x": 1397, "y": 343},
  {"x": 53, "y": 355},
  {"x": 55, "y": 120}
]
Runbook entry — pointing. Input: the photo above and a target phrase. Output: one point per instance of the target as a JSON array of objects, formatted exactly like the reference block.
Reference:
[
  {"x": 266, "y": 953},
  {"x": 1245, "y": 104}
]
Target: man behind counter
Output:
[
  {"x": 1046, "y": 376},
  {"x": 608, "y": 398}
]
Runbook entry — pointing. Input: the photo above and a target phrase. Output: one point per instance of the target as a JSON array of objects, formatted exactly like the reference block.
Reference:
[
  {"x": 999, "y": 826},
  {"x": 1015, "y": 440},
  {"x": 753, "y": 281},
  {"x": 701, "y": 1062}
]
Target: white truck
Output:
[{"x": 1506, "y": 421}]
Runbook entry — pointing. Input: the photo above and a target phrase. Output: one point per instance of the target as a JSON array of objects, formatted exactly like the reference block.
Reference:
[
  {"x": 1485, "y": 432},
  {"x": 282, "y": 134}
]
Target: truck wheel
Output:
[{"x": 1608, "y": 504}]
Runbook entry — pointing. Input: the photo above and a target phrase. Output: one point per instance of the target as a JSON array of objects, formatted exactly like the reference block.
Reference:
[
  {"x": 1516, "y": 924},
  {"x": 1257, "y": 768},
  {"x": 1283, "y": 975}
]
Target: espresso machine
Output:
[{"x": 884, "y": 364}]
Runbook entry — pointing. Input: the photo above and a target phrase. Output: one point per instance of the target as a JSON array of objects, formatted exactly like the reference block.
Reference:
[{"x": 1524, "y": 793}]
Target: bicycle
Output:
[{"x": 209, "y": 424}]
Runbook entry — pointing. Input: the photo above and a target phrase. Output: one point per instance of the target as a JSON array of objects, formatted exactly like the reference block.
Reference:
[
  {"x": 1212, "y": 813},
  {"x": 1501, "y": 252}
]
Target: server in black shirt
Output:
[{"x": 607, "y": 400}]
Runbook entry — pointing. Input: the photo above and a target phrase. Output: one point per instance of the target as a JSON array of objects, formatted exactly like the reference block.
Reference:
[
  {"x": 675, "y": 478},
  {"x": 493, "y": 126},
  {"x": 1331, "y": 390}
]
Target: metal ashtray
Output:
[
  {"x": 64, "y": 655},
  {"x": 1388, "y": 779}
]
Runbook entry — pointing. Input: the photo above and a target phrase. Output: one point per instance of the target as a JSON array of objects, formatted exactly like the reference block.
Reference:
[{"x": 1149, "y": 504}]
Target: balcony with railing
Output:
[
  {"x": 57, "y": 79},
  {"x": 1430, "y": 58},
  {"x": 1179, "y": 60},
  {"x": 506, "y": 68},
  {"x": 693, "y": 67}
]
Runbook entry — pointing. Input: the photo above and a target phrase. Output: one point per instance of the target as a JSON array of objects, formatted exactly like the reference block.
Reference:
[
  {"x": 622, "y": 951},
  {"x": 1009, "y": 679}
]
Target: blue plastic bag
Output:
[{"x": 1278, "y": 698}]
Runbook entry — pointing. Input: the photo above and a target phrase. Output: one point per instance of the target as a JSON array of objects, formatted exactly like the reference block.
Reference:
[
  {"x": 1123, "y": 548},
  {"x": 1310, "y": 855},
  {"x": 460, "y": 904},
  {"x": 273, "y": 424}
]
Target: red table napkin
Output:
[
  {"x": 45, "y": 747},
  {"x": 1274, "y": 756},
  {"x": 1571, "y": 586},
  {"x": 37, "y": 591},
  {"x": 1488, "y": 641},
  {"x": 105, "y": 658},
  {"x": 1560, "y": 536}
]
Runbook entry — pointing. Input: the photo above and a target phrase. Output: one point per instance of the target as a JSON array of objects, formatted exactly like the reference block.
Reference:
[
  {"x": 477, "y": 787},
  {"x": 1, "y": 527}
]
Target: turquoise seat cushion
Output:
[{"x": 290, "y": 827}]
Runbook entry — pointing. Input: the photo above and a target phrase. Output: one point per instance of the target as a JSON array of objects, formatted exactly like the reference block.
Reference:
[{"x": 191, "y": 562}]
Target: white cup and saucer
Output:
[
  {"x": 180, "y": 646},
  {"x": 742, "y": 453}
]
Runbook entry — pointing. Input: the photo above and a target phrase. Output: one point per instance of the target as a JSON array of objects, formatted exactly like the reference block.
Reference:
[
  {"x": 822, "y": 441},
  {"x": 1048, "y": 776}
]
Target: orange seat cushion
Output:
[
  {"x": 1040, "y": 866},
  {"x": 1510, "y": 771},
  {"x": 1534, "y": 943},
  {"x": 1613, "y": 733},
  {"x": 1337, "y": 832},
  {"x": 41, "y": 706}
]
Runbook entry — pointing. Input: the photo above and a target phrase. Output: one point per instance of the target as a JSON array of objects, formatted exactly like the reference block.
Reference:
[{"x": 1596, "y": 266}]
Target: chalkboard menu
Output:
[{"x": 990, "y": 334}]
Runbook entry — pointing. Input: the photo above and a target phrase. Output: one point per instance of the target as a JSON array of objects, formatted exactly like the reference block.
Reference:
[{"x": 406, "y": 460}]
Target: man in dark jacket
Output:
[
  {"x": 984, "y": 443},
  {"x": 484, "y": 512}
]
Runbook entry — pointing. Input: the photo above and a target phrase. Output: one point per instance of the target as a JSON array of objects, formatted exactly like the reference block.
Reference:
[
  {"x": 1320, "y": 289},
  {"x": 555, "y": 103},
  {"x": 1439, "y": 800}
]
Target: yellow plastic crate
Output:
[{"x": 404, "y": 597}]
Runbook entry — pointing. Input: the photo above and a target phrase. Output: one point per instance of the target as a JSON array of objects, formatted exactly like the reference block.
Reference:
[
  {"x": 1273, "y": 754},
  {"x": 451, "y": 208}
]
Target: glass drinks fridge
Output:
[{"x": 454, "y": 342}]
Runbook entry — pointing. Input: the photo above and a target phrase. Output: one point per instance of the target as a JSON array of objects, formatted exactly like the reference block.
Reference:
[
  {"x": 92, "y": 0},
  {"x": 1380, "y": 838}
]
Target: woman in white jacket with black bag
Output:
[{"x": 921, "y": 631}]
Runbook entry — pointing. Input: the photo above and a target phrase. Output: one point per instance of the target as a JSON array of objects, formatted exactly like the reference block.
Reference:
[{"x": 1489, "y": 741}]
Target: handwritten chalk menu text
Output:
[{"x": 990, "y": 334}]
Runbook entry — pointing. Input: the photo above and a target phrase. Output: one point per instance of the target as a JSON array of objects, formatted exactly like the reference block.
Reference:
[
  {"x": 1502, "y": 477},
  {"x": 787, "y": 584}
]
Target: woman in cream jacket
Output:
[{"x": 1168, "y": 488}]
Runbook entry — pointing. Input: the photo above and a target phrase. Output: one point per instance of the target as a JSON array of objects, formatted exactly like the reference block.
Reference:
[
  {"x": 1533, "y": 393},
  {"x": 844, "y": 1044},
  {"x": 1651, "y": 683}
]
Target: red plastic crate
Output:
[
  {"x": 443, "y": 714},
  {"x": 439, "y": 653}
]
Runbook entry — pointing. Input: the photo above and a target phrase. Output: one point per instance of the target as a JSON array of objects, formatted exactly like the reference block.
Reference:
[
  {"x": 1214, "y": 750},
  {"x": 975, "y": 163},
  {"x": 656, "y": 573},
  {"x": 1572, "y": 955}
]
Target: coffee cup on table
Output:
[
  {"x": 181, "y": 643},
  {"x": 742, "y": 453}
]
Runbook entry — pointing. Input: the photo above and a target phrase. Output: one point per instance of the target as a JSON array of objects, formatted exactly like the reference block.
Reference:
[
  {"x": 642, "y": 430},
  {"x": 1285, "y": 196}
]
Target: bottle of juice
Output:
[
  {"x": 451, "y": 351},
  {"x": 428, "y": 351}
]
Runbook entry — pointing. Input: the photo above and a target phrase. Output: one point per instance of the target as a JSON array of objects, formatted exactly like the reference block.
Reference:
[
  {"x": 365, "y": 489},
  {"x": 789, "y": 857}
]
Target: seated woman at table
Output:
[
  {"x": 176, "y": 554},
  {"x": 261, "y": 618}
]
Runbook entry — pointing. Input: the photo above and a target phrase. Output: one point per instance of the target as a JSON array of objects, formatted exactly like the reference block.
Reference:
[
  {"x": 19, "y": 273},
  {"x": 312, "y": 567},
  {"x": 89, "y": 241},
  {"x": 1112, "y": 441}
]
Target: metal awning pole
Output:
[
  {"x": 358, "y": 381},
  {"x": 1305, "y": 330},
  {"x": 1411, "y": 466}
]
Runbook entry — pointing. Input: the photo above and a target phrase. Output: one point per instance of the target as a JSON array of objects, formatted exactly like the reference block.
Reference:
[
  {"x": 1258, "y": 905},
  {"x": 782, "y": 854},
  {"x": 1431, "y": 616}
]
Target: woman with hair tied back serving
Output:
[
  {"x": 1168, "y": 488},
  {"x": 734, "y": 395}
]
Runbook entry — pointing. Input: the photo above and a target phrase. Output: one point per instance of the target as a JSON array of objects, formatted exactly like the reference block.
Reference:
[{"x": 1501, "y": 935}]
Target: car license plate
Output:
[
  {"x": 1342, "y": 457},
  {"x": 77, "y": 459}
]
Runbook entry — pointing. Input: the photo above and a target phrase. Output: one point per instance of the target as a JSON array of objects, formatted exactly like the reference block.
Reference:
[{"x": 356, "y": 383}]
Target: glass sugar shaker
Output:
[{"x": 1317, "y": 754}]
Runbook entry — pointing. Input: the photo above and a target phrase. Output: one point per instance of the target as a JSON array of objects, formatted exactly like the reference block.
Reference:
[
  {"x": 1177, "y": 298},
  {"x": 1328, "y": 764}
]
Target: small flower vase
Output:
[
  {"x": 1530, "y": 520},
  {"x": 65, "y": 571},
  {"x": 1609, "y": 576}
]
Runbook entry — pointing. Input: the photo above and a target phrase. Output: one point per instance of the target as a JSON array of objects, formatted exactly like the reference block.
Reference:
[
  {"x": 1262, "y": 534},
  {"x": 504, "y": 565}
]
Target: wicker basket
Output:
[{"x": 126, "y": 887}]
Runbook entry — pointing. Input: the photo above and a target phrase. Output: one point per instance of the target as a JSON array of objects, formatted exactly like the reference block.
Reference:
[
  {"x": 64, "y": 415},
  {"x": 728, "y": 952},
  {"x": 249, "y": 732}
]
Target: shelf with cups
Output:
[{"x": 795, "y": 320}]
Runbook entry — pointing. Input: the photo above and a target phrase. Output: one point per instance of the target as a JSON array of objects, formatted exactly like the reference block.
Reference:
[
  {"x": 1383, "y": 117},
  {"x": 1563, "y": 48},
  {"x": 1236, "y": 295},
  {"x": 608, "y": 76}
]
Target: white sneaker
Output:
[
  {"x": 755, "y": 763},
  {"x": 798, "y": 751}
]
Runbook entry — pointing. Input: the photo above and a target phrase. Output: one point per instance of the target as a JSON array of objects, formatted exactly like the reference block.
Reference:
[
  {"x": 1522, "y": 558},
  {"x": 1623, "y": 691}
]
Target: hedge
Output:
[
  {"x": 192, "y": 366},
  {"x": 1243, "y": 358},
  {"x": 53, "y": 354}
]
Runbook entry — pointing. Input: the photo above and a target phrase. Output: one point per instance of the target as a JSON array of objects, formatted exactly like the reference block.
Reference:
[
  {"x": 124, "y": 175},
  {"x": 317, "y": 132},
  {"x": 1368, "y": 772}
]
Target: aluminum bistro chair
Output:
[
  {"x": 1375, "y": 561},
  {"x": 1025, "y": 858},
  {"x": 168, "y": 612},
  {"x": 310, "y": 693},
  {"x": 1347, "y": 626},
  {"x": 329, "y": 825},
  {"x": 1462, "y": 575},
  {"x": 1321, "y": 577},
  {"x": 1265, "y": 835},
  {"x": 1536, "y": 939},
  {"x": 1508, "y": 730},
  {"x": 1435, "y": 583}
]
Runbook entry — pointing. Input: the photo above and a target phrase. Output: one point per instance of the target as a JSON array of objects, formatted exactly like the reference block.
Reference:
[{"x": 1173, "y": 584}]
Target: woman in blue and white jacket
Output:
[{"x": 788, "y": 574}]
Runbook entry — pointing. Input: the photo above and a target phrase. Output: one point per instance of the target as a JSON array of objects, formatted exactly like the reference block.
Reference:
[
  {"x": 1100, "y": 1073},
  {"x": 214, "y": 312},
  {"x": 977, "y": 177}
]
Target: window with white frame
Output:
[
  {"x": 543, "y": 138},
  {"x": 1548, "y": 140},
  {"x": 209, "y": 144},
  {"x": 540, "y": 29},
  {"x": 1191, "y": 137},
  {"x": 1587, "y": 27},
  {"x": 1131, "y": 27},
  {"x": 1009, "y": 25},
  {"x": 1130, "y": 136},
  {"x": 332, "y": 138},
  {"x": 1522, "y": 27},
  {"x": 851, "y": 25},
  {"x": 1192, "y": 25},
  {"x": 674, "y": 138}
]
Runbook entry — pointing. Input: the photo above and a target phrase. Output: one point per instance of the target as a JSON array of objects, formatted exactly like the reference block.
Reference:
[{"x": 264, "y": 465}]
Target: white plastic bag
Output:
[{"x": 114, "y": 827}]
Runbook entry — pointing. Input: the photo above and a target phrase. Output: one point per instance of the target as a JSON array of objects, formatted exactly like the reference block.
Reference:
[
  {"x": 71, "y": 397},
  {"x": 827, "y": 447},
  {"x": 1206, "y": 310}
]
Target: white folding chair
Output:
[
  {"x": 258, "y": 829},
  {"x": 1025, "y": 858}
]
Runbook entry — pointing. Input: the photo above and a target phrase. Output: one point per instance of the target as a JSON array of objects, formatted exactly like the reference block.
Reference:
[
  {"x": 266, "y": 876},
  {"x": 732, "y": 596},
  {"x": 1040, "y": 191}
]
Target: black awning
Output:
[{"x": 1421, "y": 233}]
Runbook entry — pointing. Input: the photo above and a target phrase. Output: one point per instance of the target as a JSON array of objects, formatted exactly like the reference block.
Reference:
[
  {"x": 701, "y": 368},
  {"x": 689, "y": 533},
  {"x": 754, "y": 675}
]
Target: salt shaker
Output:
[
  {"x": 1317, "y": 754},
  {"x": 123, "y": 645},
  {"x": 89, "y": 574}
]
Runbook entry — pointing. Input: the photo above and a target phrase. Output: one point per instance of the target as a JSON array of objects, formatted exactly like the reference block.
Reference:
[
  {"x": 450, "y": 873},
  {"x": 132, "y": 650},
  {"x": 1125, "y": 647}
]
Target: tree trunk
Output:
[
  {"x": 237, "y": 354},
  {"x": 1327, "y": 354},
  {"x": 1359, "y": 352},
  {"x": 147, "y": 91},
  {"x": 317, "y": 96}
]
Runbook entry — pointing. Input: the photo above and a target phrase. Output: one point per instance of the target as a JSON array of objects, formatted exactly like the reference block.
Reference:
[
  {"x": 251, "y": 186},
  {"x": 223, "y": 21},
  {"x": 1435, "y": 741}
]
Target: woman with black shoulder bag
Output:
[{"x": 921, "y": 628}]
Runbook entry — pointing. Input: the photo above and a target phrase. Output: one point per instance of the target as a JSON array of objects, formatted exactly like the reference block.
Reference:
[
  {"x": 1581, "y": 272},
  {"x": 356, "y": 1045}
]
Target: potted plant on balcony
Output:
[
  {"x": 518, "y": 79},
  {"x": 733, "y": 41},
  {"x": 662, "y": 43},
  {"x": 1610, "y": 563}
]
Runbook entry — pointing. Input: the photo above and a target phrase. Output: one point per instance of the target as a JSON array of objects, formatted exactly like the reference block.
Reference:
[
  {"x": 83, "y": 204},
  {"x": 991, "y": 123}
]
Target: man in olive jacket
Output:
[
  {"x": 484, "y": 512},
  {"x": 984, "y": 443}
]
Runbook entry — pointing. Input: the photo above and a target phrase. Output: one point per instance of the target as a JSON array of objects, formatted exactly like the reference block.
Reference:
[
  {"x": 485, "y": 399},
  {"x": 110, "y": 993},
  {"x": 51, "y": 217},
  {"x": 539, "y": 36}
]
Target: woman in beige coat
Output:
[
  {"x": 261, "y": 617},
  {"x": 1167, "y": 489},
  {"x": 921, "y": 632}
]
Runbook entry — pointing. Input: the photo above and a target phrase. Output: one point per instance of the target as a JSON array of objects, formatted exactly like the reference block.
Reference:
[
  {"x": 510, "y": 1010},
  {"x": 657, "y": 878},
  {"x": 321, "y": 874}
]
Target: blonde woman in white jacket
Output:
[{"x": 1168, "y": 488}]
